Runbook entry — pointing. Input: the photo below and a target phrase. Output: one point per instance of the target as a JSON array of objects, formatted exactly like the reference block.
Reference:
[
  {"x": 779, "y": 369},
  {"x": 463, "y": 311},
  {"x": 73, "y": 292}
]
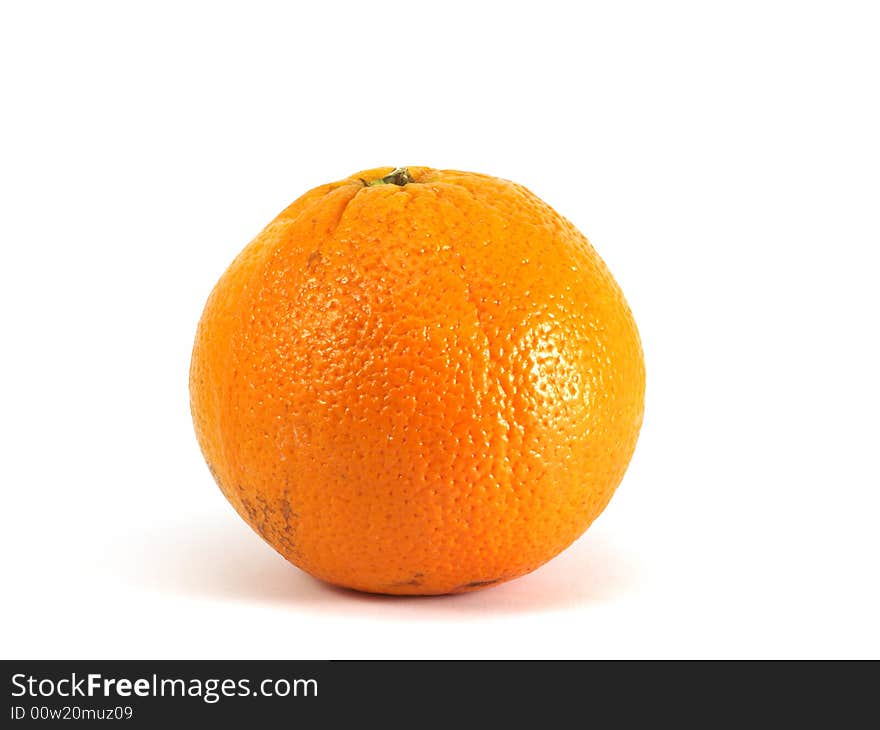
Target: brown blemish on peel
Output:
[
  {"x": 414, "y": 581},
  {"x": 478, "y": 584}
]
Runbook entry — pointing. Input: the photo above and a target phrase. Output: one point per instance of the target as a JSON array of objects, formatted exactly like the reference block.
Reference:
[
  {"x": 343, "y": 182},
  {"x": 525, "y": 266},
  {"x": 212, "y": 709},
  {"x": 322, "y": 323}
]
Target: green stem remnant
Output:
[{"x": 399, "y": 176}]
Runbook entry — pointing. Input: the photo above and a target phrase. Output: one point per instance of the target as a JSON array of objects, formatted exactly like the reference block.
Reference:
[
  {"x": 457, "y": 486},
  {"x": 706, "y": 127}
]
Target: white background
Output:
[{"x": 723, "y": 159}]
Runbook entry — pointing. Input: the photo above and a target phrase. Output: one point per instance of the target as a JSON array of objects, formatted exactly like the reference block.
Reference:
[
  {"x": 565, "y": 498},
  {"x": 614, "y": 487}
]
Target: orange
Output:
[{"x": 418, "y": 381}]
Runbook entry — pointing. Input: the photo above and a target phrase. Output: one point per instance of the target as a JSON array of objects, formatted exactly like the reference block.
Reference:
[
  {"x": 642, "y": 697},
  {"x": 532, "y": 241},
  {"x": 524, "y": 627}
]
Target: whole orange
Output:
[{"x": 418, "y": 381}]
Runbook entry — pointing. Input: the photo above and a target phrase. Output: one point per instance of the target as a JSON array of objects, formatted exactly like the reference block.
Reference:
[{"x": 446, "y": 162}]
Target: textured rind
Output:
[{"x": 420, "y": 389}]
